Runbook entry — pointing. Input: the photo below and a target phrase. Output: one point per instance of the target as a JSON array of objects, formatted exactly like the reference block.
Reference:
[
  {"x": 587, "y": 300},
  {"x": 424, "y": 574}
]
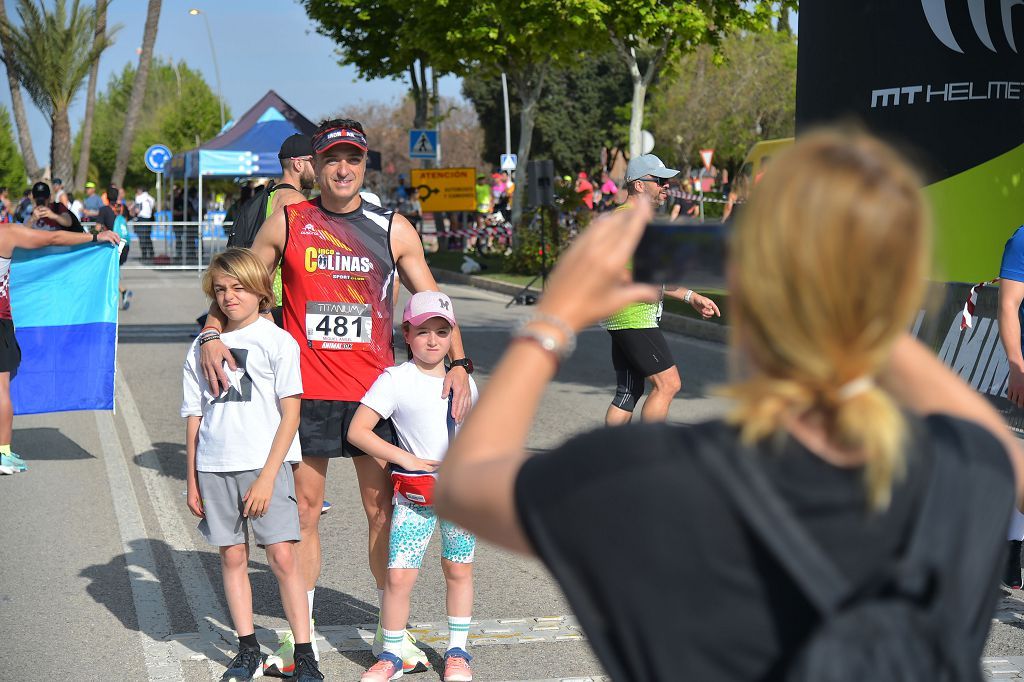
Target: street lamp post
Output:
[{"x": 216, "y": 69}]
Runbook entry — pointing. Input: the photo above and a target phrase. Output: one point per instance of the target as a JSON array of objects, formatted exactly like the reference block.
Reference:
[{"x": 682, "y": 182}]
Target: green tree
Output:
[
  {"x": 576, "y": 117},
  {"x": 647, "y": 33},
  {"x": 12, "y": 169},
  {"x": 131, "y": 122},
  {"x": 51, "y": 52},
  {"x": 17, "y": 103},
  {"x": 78, "y": 182},
  {"x": 525, "y": 39},
  {"x": 178, "y": 107},
  {"x": 728, "y": 101},
  {"x": 388, "y": 39}
]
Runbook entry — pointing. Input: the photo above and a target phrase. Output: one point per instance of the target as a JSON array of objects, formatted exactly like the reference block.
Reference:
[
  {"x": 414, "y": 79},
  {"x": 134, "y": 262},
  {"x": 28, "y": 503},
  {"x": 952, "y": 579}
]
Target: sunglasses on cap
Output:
[{"x": 334, "y": 136}]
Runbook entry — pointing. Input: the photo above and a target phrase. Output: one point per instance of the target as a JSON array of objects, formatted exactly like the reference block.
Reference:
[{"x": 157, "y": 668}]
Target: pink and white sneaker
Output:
[
  {"x": 456, "y": 666},
  {"x": 388, "y": 667}
]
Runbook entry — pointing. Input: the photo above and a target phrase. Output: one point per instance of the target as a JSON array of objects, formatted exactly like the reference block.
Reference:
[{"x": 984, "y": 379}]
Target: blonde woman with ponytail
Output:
[{"x": 841, "y": 426}]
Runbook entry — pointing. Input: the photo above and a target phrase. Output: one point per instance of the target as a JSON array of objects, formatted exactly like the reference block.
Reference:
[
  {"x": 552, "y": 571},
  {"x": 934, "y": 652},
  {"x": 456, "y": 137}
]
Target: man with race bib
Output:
[{"x": 340, "y": 257}]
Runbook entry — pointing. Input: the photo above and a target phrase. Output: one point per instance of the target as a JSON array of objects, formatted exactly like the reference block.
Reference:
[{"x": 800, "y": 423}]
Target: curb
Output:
[{"x": 686, "y": 326}]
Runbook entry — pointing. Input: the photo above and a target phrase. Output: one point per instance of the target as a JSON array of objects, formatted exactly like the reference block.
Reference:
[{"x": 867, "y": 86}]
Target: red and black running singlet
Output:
[
  {"x": 337, "y": 277},
  {"x": 5, "y": 288}
]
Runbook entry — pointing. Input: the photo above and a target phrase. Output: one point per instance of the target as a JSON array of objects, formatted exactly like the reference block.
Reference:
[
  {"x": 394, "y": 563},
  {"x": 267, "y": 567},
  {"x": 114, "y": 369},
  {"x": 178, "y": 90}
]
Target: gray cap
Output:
[{"x": 648, "y": 165}]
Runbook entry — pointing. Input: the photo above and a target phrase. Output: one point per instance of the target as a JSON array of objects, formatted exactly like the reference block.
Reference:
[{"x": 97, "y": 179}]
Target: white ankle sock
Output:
[
  {"x": 393, "y": 640},
  {"x": 458, "y": 631}
]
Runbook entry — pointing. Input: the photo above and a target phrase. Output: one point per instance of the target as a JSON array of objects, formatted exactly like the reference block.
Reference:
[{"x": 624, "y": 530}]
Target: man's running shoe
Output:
[
  {"x": 247, "y": 665},
  {"x": 281, "y": 663},
  {"x": 12, "y": 464},
  {"x": 326, "y": 507},
  {"x": 126, "y": 299},
  {"x": 306, "y": 669},
  {"x": 387, "y": 667},
  {"x": 456, "y": 666},
  {"x": 1011, "y": 574}
]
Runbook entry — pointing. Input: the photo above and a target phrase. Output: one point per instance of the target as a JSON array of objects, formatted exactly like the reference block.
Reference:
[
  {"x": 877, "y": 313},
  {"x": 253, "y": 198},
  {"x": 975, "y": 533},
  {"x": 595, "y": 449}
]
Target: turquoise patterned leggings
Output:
[{"x": 413, "y": 524}]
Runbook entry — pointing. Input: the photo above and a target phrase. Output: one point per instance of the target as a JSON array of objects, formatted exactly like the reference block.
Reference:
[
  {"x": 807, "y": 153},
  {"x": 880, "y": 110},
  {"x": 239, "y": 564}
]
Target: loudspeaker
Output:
[{"x": 540, "y": 178}]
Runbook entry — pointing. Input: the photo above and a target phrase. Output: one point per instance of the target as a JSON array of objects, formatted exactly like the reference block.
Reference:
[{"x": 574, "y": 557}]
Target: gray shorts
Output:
[{"x": 224, "y": 525}]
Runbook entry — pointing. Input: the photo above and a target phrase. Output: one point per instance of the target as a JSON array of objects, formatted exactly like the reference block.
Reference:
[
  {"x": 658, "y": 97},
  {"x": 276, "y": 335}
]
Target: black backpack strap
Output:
[{"x": 766, "y": 514}]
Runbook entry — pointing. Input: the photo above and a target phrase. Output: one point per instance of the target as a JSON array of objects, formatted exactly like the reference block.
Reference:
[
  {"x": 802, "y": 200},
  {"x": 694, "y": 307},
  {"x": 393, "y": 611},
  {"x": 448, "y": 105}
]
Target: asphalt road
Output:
[{"x": 105, "y": 577}]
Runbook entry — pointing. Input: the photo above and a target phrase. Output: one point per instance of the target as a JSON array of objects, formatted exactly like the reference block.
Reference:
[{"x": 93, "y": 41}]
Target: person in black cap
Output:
[
  {"x": 297, "y": 179},
  {"x": 50, "y": 215}
]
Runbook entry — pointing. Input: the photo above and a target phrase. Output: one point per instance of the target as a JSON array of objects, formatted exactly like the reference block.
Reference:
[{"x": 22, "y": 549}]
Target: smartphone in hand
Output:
[{"x": 682, "y": 253}]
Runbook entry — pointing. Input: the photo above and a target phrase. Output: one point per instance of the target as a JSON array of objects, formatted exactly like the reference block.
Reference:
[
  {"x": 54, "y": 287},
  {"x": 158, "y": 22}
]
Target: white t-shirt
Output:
[
  {"x": 76, "y": 208},
  {"x": 239, "y": 425},
  {"x": 413, "y": 401},
  {"x": 145, "y": 202}
]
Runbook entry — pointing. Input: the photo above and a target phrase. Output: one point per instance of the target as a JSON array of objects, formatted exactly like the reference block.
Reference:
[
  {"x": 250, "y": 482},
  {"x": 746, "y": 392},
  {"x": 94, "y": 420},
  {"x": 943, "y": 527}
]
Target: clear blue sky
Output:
[{"x": 261, "y": 45}]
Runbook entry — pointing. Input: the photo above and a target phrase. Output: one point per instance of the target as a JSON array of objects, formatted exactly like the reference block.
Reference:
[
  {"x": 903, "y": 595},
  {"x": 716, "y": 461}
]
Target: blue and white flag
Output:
[{"x": 64, "y": 303}]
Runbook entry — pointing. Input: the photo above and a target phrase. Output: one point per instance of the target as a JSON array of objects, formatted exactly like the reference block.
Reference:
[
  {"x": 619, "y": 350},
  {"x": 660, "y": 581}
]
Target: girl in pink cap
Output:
[{"x": 410, "y": 395}]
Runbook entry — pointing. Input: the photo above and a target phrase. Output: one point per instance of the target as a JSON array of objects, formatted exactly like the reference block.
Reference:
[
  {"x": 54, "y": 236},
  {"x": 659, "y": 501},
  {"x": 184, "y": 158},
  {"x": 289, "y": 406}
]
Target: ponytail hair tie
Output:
[{"x": 852, "y": 389}]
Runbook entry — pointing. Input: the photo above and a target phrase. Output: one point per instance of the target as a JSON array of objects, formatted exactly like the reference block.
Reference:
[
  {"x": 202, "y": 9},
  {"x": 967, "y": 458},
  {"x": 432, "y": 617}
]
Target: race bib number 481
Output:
[{"x": 338, "y": 326}]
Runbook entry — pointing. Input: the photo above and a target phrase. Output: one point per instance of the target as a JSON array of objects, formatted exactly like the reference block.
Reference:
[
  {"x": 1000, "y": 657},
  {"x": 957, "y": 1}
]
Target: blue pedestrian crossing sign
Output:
[
  {"x": 157, "y": 157},
  {"x": 509, "y": 162},
  {"x": 422, "y": 144}
]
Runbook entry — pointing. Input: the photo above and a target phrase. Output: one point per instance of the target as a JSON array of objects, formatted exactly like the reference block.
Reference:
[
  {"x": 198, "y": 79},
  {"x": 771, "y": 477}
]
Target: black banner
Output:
[{"x": 942, "y": 79}]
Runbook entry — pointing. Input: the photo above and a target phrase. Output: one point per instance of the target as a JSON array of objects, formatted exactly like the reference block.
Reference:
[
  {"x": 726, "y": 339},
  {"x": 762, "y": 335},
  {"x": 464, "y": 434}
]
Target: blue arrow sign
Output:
[
  {"x": 422, "y": 144},
  {"x": 157, "y": 157}
]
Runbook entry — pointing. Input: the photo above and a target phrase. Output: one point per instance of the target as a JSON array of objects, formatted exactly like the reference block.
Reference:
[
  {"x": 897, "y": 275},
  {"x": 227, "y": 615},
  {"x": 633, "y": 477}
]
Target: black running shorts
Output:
[
  {"x": 323, "y": 426},
  {"x": 640, "y": 350},
  {"x": 10, "y": 351}
]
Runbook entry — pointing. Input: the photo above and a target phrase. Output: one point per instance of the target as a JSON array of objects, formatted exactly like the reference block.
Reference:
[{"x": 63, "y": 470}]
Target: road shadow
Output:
[
  {"x": 590, "y": 367},
  {"x": 156, "y": 333},
  {"x": 170, "y": 460},
  {"x": 47, "y": 444},
  {"x": 109, "y": 583}
]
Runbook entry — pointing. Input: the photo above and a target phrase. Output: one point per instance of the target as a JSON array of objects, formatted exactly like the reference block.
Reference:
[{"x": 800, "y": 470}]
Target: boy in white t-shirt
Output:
[
  {"x": 410, "y": 394},
  {"x": 240, "y": 447}
]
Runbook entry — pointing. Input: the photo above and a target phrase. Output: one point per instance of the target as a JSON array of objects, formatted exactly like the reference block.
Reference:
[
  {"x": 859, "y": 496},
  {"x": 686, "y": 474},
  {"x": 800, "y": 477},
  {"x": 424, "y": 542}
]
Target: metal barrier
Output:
[{"x": 174, "y": 245}]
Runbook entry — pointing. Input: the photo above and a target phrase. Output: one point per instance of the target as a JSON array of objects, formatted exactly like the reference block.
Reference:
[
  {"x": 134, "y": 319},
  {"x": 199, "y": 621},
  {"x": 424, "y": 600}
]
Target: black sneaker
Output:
[
  {"x": 245, "y": 666},
  {"x": 1011, "y": 575},
  {"x": 306, "y": 668}
]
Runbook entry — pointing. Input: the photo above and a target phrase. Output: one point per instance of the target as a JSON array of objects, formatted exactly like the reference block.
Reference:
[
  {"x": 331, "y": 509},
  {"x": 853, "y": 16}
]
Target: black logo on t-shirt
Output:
[{"x": 233, "y": 395}]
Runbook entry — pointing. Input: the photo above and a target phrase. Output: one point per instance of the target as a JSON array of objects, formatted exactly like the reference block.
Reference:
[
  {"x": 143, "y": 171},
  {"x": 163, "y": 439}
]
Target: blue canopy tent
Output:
[{"x": 249, "y": 146}]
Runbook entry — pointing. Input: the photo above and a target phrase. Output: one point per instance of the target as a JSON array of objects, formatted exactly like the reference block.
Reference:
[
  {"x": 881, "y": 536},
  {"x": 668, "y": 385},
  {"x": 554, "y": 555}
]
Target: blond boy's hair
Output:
[{"x": 247, "y": 268}]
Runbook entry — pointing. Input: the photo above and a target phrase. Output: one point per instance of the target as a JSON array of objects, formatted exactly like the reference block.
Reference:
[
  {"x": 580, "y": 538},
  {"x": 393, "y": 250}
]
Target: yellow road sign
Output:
[{"x": 445, "y": 189}]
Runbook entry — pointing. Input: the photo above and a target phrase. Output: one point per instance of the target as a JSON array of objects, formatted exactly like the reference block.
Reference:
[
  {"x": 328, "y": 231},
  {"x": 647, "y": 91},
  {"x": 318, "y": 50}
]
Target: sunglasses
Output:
[{"x": 660, "y": 182}]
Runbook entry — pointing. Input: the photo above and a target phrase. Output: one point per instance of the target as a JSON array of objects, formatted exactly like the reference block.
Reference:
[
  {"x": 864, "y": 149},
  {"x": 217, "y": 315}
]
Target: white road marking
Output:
[
  {"x": 213, "y": 623},
  {"x": 150, "y": 608}
]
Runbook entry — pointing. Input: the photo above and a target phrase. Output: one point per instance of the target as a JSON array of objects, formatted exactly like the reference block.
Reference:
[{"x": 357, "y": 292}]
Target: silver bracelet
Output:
[
  {"x": 688, "y": 296},
  {"x": 561, "y": 350}
]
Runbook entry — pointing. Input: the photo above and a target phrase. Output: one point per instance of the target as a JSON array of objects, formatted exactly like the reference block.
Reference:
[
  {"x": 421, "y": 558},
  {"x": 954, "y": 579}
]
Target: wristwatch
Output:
[
  {"x": 464, "y": 363},
  {"x": 95, "y": 236}
]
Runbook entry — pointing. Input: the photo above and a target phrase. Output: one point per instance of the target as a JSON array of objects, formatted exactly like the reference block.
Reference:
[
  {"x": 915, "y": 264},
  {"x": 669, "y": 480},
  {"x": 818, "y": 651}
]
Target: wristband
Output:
[
  {"x": 95, "y": 237},
  {"x": 688, "y": 296},
  {"x": 561, "y": 350}
]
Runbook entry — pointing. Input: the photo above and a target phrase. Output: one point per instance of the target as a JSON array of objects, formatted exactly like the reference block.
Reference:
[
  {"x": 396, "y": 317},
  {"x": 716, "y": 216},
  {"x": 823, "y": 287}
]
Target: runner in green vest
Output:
[
  {"x": 639, "y": 350},
  {"x": 297, "y": 179}
]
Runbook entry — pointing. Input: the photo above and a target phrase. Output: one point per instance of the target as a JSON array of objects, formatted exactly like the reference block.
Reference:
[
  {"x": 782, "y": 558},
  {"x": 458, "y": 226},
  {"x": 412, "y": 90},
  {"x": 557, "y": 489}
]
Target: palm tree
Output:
[
  {"x": 18, "y": 106},
  {"x": 51, "y": 53},
  {"x": 131, "y": 119},
  {"x": 90, "y": 100}
]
